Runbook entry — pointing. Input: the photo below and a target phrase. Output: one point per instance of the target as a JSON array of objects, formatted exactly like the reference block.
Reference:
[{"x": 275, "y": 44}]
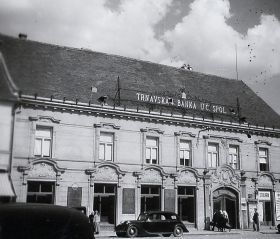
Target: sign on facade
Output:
[
  {"x": 184, "y": 103},
  {"x": 277, "y": 203},
  {"x": 264, "y": 195}
]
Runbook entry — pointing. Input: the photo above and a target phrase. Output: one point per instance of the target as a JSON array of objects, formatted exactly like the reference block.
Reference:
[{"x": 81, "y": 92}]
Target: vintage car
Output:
[
  {"x": 152, "y": 223},
  {"x": 44, "y": 221}
]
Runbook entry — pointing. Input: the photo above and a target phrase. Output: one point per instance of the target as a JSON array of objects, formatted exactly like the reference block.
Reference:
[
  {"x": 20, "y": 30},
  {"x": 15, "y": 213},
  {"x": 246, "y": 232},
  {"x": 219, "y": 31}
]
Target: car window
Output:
[
  {"x": 173, "y": 217},
  {"x": 162, "y": 217}
]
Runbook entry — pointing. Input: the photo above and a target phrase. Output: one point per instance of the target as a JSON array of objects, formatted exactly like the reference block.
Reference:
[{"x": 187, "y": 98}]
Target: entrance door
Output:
[
  {"x": 186, "y": 204},
  {"x": 105, "y": 202},
  {"x": 227, "y": 199},
  {"x": 150, "y": 198}
]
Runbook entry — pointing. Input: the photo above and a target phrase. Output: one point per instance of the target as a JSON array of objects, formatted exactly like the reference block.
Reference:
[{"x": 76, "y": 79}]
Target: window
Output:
[
  {"x": 213, "y": 156},
  {"x": 263, "y": 159},
  {"x": 106, "y": 146},
  {"x": 186, "y": 203},
  {"x": 151, "y": 150},
  {"x": 185, "y": 153},
  {"x": 234, "y": 156},
  {"x": 40, "y": 192},
  {"x": 43, "y": 141}
]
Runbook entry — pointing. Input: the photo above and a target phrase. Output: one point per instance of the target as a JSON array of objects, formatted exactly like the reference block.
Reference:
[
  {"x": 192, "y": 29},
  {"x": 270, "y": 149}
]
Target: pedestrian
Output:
[
  {"x": 91, "y": 221},
  {"x": 226, "y": 221},
  {"x": 256, "y": 222},
  {"x": 215, "y": 220},
  {"x": 220, "y": 221},
  {"x": 96, "y": 220}
]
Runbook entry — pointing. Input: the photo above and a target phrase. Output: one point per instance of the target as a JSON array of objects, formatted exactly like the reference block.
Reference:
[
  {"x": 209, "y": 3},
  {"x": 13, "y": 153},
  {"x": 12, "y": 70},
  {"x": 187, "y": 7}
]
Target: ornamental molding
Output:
[
  {"x": 152, "y": 130},
  {"x": 42, "y": 169},
  {"x": 263, "y": 142},
  {"x": 44, "y": 119},
  {"x": 106, "y": 171},
  {"x": 184, "y": 133},
  {"x": 106, "y": 125},
  {"x": 225, "y": 176},
  {"x": 266, "y": 180},
  {"x": 40, "y": 165},
  {"x": 151, "y": 174},
  {"x": 222, "y": 137}
]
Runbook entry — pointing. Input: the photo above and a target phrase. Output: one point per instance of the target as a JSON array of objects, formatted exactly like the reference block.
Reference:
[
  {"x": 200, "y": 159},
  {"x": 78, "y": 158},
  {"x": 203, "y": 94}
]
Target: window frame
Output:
[
  {"x": 212, "y": 153},
  {"x": 266, "y": 150},
  {"x": 189, "y": 150},
  {"x": 43, "y": 139},
  {"x": 238, "y": 163},
  {"x": 106, "y": 144},
  {"x": 151, "y": 148}
]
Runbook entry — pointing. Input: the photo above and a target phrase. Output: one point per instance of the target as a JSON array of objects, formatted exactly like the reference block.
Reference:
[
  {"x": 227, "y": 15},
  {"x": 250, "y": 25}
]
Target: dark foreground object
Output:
[
  {"x": 34, "y": 221},
  {"x": 152, "y": 223}
]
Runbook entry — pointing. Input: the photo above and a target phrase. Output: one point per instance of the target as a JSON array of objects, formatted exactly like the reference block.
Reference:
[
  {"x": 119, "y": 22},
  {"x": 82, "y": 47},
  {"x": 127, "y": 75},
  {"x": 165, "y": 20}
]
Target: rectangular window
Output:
[
  {"x": 40, "y": 192},
  {"x": 43, "y": 141},
  {"x": 151, "y": 150},
  {"x": 263, "y": 159},
  {"x": 234, "y": 156},
  {"x": 213, "y": 155},
  {"x": 106, "y": 148},
  {"x": 185, "y": 153}
]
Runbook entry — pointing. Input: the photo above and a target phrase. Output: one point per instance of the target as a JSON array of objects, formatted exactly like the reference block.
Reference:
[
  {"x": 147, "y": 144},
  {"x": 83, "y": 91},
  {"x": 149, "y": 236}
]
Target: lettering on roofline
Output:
[{"x": 185, "y": 104}]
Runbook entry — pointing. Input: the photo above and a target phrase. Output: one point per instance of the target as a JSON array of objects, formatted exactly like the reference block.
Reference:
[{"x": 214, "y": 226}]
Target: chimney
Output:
[{"x": 22, "y": 36}]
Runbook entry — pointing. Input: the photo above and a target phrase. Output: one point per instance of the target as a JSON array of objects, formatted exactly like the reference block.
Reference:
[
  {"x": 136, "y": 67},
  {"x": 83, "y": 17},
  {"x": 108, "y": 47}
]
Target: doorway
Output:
[
  {"x": 150, "y": 198},
  {"x": 105, "y": 202},
  {"x": 227, "y": 199},
  {"x": 186, "y": 204}
]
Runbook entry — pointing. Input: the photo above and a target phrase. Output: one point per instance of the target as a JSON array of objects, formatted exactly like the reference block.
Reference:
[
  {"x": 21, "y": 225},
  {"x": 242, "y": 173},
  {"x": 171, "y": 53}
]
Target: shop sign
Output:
[
  {"x": 277, "y": 202},
  {"x": 184, "y": 103},
  {"x": 264, "y": 195}
]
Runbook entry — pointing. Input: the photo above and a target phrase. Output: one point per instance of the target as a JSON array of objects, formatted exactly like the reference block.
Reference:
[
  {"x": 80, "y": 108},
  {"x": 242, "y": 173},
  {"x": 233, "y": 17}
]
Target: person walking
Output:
[
  {"x": 215, "y": 220},
  {"x": 256, "y": 221},
  {"x": 96, "y": 220},
  {"x": 226, "y": 221},
  {"x": 91, "y": 221}
]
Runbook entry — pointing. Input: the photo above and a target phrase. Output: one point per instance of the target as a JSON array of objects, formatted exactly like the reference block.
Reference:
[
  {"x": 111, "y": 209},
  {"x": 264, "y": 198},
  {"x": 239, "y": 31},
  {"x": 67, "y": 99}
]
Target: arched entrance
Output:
[{"x": 227, "y": 199}]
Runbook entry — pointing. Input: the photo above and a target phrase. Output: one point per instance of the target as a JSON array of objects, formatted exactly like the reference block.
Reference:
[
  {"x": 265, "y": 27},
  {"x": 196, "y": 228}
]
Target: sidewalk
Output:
[{"x": 193, "y": 231}]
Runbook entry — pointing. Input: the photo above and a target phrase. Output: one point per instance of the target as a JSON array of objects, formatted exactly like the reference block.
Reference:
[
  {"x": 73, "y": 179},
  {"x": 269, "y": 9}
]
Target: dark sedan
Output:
[
  {"x": 152, "y": 223},
  {"x": 43, "y": 221}
]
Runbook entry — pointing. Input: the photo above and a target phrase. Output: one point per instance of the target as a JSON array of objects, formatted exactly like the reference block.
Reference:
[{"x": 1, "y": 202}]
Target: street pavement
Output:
[{"x": 234, "y": 234}]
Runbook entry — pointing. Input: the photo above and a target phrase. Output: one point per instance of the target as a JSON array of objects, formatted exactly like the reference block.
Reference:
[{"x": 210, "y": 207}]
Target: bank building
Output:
[{"x": 123, "y": 136}]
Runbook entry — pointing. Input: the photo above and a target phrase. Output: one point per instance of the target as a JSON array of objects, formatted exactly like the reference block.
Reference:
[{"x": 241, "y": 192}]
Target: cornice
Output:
[{"x": 125, "y": 113}]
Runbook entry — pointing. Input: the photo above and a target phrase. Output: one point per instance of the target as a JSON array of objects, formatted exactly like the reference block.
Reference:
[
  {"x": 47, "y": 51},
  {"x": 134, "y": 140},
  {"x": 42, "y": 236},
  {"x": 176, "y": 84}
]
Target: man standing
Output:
[{"x": 256, "y": 222}]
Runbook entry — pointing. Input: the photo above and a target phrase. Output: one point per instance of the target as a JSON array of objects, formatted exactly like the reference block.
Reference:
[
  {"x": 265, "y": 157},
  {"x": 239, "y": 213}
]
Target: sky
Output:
[{"x": 237, "y": 39}]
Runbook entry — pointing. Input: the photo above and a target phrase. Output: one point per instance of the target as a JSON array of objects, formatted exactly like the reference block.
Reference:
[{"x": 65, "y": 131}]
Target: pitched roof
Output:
[{"x": 50, "y": 70}]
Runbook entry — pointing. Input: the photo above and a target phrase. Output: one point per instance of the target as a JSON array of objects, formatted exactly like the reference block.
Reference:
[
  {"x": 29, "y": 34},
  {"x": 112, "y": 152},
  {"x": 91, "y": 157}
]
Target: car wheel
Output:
[
  {"x": 178, "y": 231},
  {"x": 132, "y": 231},
  {"x": 166, "y": 235}
]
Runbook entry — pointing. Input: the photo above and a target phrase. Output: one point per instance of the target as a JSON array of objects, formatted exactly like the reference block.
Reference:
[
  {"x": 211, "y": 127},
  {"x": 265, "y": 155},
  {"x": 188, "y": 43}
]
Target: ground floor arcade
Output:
[{"x": 121, "y": 195}]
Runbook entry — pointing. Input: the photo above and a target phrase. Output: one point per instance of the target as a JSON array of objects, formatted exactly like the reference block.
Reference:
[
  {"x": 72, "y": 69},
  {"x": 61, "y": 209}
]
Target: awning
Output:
[{"x": 6, "y": 188}]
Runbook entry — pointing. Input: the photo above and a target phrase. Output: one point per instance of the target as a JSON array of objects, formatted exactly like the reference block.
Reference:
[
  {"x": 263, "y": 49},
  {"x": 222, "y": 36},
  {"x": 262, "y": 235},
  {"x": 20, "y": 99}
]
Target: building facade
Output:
[{"x": 123, "y": 136}]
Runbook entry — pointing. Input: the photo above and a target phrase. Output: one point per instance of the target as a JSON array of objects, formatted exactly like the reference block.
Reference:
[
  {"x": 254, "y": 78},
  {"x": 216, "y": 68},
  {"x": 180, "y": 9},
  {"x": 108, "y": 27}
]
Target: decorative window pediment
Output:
[
  {"x": 46, "y": 119},
  {"x": 107, "y": 125},
  {"x": 152, "y": 130}
]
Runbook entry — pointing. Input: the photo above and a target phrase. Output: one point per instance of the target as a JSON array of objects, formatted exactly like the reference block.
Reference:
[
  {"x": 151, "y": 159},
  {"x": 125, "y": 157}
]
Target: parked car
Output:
[
  {"x": 152, "y": 223},
  {"x": 44, "y": 221},
  {"x": 278, "y": 227}
]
